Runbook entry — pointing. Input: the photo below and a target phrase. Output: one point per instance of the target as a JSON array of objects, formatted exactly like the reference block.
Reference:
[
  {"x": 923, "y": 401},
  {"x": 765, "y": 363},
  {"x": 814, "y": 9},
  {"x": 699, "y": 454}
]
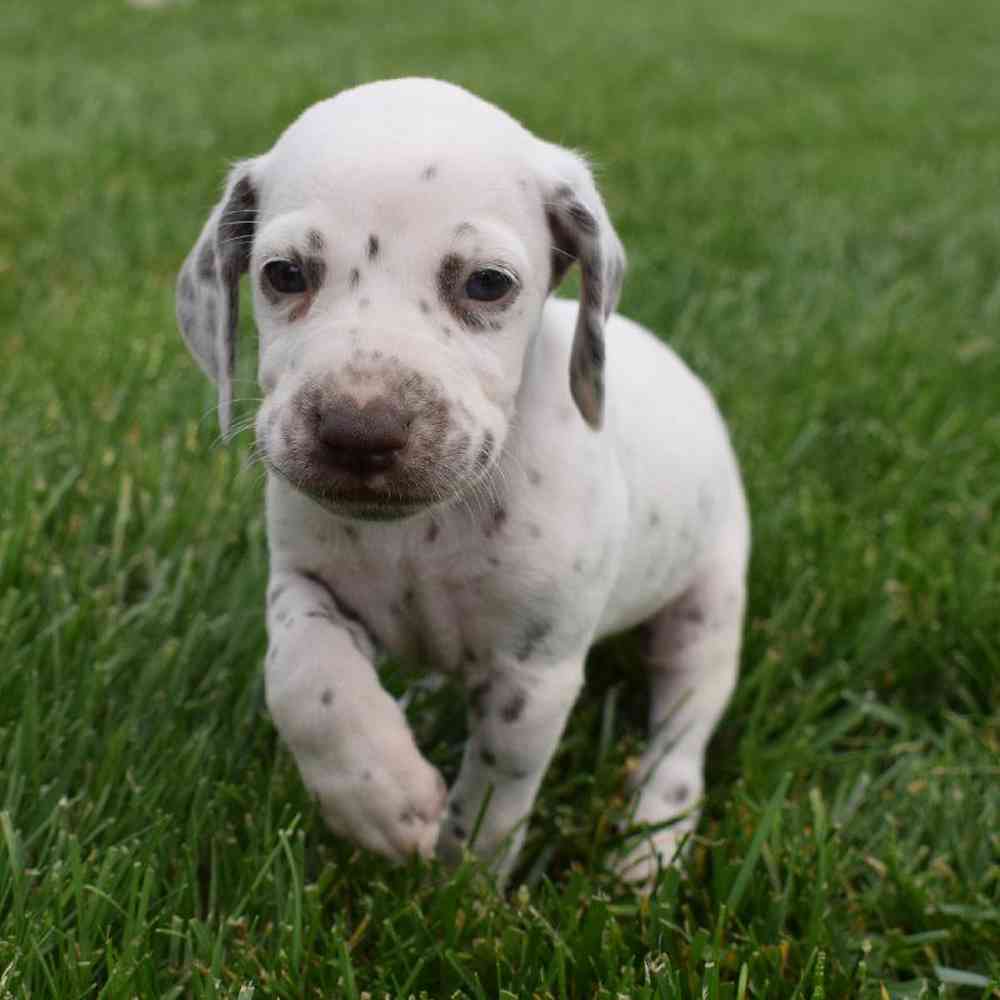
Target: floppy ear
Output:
[
  {"x": 208, "y": 294},
  {"x": 581, "y": 231}
]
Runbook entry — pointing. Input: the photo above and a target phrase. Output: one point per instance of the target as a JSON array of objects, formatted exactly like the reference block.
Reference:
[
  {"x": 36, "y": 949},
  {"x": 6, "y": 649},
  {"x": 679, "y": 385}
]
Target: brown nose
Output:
[{"x": 362, "y": 439}]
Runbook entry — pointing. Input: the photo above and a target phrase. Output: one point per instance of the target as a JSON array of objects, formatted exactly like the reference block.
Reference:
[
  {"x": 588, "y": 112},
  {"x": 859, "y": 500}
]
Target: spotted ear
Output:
[
  {"x": 208, "y": 294},
  {"x": 581, "y": 231}
]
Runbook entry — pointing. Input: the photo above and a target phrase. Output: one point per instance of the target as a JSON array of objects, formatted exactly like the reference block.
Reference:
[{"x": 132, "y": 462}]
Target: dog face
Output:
[{"x": 401, "y": 240}]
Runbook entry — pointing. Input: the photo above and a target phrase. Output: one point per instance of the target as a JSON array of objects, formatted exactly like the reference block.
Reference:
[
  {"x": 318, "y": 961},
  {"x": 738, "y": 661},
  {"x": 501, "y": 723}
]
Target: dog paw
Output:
[
  {"x": 641, "y": 865},
  {"x": 388, "y": 802},
  {"x": 496, "y": 840}
]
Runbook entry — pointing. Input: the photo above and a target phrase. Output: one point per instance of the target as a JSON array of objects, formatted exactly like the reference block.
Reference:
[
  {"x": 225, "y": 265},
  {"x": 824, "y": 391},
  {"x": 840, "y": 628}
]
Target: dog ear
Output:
[
  {"x": 581, "y": 231},
  {"x": 208, "y": 294}
]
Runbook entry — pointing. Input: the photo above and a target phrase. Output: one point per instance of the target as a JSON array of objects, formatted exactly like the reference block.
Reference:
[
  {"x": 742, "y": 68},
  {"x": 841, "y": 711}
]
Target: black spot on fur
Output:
[
  {"x": 206, "y": 264},
  {"x": 451, "y": 295},
  {"x": 315, "y": 241},
  {"x": 346, "y": 612},
  {"x": 186, "y": 287},
  {"x": 459, "y": 831},
  {"x": 536, "y": 632},
  {"x": 477, "y": 698},
  {"x": 432, "y": 531},
  {"x": 314, "y": 269},
  {"x": 351, "y": 532},
  {"x": 212, "y": 313},
  {"x": 565, "y": 247},
  {"x": 366, "y": 775},
  {"x": 485, "y": 451},
  {"x": 594, "y": 341},
  {"x": 465, "y": 229},
  {"x": 373, "y": 247},
  {"x": 185, "y": 316},
  {"x": 455, "y": 807},
  {"x": 354, "y": 278},
  {"x": 512, "y": 711},
  {"x": 534, "y": 477},
  {"x": 678, "y": 795},
  {"x": 488, "y": 757},
  {"x": 654, "y": 519},
  {"x": 582, "y": 216},
  {"x": 425, "y": 306},
  {"x": 274, "y": 594},
  {"x": 449, "y": 272},
  {"x": 694, "y": 615},
  {"x": 497, "y": 521},
  {"x": 237, "y": 226},
  {"x": 429, "y": 172},
  {"x": 326, "y": 698}
]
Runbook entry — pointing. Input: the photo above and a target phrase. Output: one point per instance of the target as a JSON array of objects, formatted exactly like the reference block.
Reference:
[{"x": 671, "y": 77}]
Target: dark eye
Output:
[
  {"x": 488, "y": 284},
  {"x": 285, "y": 276}
]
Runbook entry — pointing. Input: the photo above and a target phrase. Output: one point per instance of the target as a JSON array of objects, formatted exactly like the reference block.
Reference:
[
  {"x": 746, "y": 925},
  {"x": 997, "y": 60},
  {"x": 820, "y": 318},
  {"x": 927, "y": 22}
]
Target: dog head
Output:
[{"x": 401, "y": 239}]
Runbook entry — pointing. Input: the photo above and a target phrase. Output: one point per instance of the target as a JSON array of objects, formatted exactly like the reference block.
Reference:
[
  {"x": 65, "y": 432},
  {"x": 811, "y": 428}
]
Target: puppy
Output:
[{"x": 456, "y": 473}]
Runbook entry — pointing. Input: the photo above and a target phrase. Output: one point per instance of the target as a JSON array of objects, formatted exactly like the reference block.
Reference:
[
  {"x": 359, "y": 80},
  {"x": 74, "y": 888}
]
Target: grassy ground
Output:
[{"x": 808, "y": 191}]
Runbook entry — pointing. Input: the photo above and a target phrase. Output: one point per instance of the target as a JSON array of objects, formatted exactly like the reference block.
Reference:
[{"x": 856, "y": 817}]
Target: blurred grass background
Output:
[{"x": 808, "y": 193}]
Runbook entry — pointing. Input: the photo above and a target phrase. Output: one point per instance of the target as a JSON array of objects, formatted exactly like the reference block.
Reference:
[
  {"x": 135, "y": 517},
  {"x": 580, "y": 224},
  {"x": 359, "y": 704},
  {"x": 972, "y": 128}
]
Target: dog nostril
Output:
[{"x": 363, "y": 440}]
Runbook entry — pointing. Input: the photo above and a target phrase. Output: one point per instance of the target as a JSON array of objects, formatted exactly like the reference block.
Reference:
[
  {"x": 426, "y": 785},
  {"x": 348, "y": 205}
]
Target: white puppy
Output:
[{"x": 456, "y": 475}]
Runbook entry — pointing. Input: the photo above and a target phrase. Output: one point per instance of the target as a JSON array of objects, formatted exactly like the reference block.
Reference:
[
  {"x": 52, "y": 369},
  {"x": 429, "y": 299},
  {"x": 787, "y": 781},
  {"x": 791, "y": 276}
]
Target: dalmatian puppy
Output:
[{"x": 456, "y": 474}]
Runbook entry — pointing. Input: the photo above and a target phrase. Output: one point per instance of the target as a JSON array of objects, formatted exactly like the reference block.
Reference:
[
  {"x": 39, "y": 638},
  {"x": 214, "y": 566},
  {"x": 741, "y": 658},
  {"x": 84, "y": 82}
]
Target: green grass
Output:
[{"x": 808, "y": 192}]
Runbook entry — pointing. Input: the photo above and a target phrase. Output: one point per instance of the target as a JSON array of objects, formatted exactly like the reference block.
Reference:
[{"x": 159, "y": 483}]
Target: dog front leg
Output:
[
  {"x": 517, "y": 712},
  {"x": 352, "y": 744}
]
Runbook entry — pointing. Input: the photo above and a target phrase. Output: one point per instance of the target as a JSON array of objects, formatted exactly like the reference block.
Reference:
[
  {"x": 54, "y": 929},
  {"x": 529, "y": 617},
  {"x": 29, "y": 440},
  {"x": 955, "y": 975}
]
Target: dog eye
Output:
[
  {"x": 488, "y": 284},
  {"x": 285, "y": 276}
]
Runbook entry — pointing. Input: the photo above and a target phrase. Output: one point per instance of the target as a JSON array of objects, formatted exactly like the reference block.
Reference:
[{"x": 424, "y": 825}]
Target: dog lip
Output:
[
  {"x": 355, "y": 501},
  {"x": 374, "y": 511},
  {"x": 373, "y": 499},
  {"x": 371, "y": 506},
  {"x": 354, "y": 497}
]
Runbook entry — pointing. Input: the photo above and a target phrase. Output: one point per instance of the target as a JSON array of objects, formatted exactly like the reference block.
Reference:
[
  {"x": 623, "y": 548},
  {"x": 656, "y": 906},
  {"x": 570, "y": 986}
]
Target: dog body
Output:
[{"x": 447, "y": 481}]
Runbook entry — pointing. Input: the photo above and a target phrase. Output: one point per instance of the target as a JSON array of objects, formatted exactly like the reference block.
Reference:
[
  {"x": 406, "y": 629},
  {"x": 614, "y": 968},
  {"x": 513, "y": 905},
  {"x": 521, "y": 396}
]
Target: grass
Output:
[{"x": 807, "y": 190}]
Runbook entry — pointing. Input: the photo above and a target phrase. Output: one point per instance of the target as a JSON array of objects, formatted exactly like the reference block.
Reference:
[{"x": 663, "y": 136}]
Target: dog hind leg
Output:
[{"x": 693, "y": 660}]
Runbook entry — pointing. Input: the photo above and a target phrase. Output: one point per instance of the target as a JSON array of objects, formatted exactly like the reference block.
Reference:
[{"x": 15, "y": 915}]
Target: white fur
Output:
[{"x": 566, "y": 534}]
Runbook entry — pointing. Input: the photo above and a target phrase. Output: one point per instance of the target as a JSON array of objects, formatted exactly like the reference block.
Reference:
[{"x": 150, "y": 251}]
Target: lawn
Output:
[{"x": 808, "y": 190}]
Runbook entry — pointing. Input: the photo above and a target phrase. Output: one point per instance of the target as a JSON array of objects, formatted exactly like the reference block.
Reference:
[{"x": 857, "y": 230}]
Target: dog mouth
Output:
[
  {"x": 366, "y": 501},
  {"x": 375, "y": 466},
  {"x": 384, "y": 498},
  {"x": 370, "y": 507}
]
